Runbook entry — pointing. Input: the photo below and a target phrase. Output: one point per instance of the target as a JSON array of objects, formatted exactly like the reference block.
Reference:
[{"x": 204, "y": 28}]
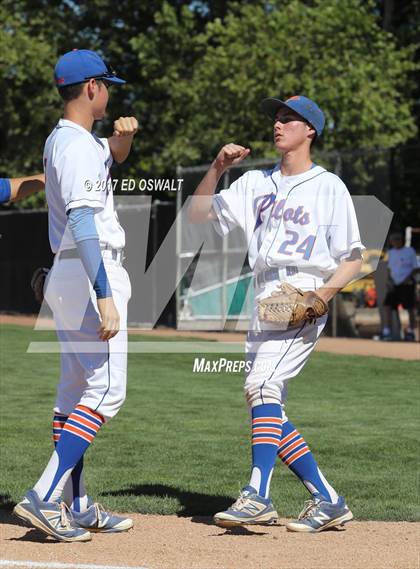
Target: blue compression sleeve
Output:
[
  {"x": 5, "y": 190},
  {"x": 82, "y": 224},
  {"x": 90, "y": 255}
]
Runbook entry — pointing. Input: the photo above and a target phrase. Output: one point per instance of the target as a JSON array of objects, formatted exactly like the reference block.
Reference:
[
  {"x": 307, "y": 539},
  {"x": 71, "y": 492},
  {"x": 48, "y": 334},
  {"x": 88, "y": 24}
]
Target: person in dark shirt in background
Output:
[{"x": 402, "y": 262}]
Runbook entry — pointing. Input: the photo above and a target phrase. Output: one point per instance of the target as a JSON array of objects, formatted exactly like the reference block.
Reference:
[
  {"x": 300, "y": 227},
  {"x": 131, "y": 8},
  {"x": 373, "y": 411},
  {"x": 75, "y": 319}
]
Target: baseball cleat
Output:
[
  {"x": 249, "y": 509},
  {"x": 96, "y": 519},
  {"x": 52, "y": 518},
  {"x": 318, "y": 514}
]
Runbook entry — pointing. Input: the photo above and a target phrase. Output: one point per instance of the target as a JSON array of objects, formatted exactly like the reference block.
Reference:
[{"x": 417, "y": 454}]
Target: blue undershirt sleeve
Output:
[
  {"x": 5, "y": 190},
  {"x": 82, "y": 224}
]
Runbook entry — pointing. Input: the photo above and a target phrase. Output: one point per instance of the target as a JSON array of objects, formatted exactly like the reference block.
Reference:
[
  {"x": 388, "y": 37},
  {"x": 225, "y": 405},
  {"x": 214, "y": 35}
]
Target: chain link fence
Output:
[{"x": 220, "y": 295}]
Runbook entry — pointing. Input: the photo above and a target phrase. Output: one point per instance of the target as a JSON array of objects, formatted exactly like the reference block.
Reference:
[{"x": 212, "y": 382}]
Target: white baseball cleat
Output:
[
  {"x": 249, "y": 509},
  {"x": 319, "y": 514},
  {"x": 52, "y": 518},
  {"x": 96, "y": 519}
]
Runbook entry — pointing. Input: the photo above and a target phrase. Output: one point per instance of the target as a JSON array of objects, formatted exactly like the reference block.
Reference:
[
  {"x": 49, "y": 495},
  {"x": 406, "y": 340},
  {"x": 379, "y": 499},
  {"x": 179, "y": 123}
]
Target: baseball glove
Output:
[
  {"x": 37, "y": 283},
  {"x": 289, "y": 306}
]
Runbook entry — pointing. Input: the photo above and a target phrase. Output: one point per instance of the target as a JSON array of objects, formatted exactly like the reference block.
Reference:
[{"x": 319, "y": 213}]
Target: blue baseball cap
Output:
[
  {"x": 304, "y": 107},
  {"x": 79, "y": 65}
]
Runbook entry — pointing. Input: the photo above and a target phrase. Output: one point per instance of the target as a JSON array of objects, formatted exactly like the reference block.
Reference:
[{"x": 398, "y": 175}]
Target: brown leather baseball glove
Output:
[
  {"x": 290, "y": 306},
  {"x": 37, "y": 283}
]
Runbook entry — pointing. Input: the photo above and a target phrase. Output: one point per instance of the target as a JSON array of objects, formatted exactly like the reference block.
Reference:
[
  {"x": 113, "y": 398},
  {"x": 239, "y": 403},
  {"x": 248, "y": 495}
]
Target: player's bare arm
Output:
[
  {"x": 26, "y": 186},
  {"x": 120, "y": 142},
  {"x": 345, "y": 273},
  {"x": 200, "y": 209}
]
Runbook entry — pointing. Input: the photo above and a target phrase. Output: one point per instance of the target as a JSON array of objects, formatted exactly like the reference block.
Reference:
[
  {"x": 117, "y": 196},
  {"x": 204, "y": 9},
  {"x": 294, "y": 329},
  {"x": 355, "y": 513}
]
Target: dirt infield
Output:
[
  {"x": 169, "y": 542},
  {"x": 347, "y": 346}
]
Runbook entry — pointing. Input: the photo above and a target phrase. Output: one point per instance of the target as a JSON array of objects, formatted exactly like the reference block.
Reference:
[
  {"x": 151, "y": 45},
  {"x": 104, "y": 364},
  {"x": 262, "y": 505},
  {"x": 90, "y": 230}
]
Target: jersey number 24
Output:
[{"x": 305, "y": 248}]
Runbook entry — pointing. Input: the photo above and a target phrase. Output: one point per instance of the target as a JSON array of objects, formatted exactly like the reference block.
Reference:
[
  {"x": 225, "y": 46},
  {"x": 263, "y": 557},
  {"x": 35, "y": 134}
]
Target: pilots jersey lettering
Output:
[{"x": 307, "y": 220}]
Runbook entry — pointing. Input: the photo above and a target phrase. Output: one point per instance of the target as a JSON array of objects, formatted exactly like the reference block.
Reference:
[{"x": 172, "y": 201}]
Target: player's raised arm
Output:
[
  {"x": 120, "y": 142},
  {"x": 200, "y": 209}
]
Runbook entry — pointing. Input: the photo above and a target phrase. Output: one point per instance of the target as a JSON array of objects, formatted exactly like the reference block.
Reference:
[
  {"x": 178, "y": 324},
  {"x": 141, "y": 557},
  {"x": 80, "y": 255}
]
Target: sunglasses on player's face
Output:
[
  {"x": 107, "y": 84},
  {"x": 285, "y": 116},
  {"x": 102, "y": 77}
]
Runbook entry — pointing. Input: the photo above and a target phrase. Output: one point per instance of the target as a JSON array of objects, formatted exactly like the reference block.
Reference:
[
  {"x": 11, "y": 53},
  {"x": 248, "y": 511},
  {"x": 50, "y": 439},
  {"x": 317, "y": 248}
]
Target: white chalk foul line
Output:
[{"x": 53, "y": 565}]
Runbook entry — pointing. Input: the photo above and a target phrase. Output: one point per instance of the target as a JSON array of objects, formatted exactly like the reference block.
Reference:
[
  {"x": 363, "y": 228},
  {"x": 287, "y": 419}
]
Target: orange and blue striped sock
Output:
[
  {"x": 77, "y": 433},
  {"x": 266, "y": 435},
  {"x": 295, "y": 453},
  {"x": 59, "y": 421},
  {"x": 74, "y": 492}
]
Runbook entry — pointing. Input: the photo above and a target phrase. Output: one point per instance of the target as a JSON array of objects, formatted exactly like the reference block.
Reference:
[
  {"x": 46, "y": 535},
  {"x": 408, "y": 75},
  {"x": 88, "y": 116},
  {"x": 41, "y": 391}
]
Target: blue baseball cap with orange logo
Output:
[
  {"x": 80, "y": 65},
  {"x": 304, "y": 107}
]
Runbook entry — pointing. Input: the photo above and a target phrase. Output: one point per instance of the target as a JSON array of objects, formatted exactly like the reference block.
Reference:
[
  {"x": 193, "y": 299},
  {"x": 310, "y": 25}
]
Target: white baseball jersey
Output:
[
  {"x": 77, "y": 164},
  {"x": 401, "y": 263},
  {"x": 307, "y": 221}
]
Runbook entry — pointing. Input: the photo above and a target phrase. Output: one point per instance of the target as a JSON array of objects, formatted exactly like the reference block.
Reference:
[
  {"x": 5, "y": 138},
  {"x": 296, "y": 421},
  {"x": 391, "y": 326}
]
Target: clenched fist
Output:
[
  {"x": 126, "y": 126},
  {"x": 230, "y": 155}
]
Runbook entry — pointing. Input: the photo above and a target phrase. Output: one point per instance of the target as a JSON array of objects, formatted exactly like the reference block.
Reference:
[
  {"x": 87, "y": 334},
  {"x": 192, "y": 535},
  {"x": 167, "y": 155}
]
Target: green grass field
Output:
[{"x": 180, "y": 444}]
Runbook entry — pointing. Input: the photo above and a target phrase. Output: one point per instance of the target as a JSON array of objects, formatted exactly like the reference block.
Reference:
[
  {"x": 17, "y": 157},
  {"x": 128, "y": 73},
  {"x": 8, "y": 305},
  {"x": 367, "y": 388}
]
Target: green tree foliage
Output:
[
  {"x": 332, "y": 50},
  {"x": 402, "y": 18},
  {"x": 29, "y": 104},
  {"x": 26, "y": 96},
  {"x": 33, "y": 34},
  {"x": 197, "y": 72}
]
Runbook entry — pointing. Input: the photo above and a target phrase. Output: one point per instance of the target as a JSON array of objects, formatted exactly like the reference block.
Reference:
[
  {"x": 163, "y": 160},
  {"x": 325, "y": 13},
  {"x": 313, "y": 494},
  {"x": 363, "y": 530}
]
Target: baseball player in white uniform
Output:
[
  {"x": 301, "y": 228},
  {"x": 88, "y": 290}
]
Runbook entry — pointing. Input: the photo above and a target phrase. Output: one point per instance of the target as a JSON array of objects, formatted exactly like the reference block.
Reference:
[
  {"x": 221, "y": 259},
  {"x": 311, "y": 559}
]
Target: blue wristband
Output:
[{"x": 5, "y": 190}]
